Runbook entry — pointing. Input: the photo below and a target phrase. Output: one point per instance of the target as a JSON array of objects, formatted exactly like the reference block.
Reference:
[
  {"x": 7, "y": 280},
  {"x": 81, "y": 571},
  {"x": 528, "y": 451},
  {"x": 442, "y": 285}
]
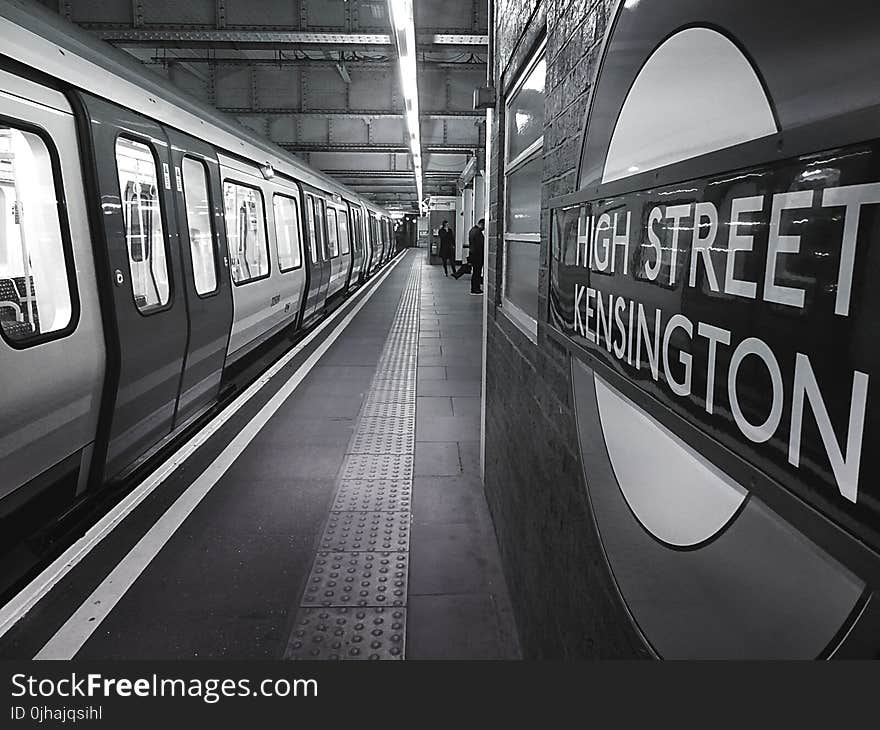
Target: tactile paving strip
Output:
[
  {"x": 375, "y": 495},
  {"x": 388, "y": 410},
  {"x": 388, "y": 426},
  {"x": 348, "y": 633},
  {"x": 377, "y": 466},
  {"x": 369, "y": 531},
  {"x": 363, "y": 559},
  {"x": 358, "y": 579},
  {"x": 371, "y": 443}
]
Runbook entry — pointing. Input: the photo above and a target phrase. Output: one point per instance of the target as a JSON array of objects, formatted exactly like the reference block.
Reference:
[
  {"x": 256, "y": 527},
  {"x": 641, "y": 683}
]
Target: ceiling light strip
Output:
[{"x": 404, "y": 30}]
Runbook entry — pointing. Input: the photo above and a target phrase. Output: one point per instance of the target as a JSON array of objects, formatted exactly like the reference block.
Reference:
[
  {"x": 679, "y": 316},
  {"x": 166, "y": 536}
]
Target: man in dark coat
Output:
[
  {"x": 476, "y": 244},
  {"x": 447, "y": 247}
]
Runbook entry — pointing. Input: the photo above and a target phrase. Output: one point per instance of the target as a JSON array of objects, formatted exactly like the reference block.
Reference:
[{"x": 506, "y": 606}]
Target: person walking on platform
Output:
[
  {"x": 447, "y": 247},
  {"x": 476, "y": 243}
]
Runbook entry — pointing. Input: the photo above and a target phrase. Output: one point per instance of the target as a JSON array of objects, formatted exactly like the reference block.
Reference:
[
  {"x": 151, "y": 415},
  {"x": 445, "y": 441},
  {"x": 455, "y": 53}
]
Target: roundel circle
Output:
[{"x": 690, "y": 113}]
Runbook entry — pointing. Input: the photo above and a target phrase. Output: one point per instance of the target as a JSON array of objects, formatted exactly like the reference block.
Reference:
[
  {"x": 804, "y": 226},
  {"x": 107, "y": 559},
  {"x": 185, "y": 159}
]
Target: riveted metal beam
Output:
[
  {"x": 375, "y": 148},
  {"x": 347, "y": 113},
  {"x": 220, "y": 14},
  {"x": 478, "y": 65},
  {"x": 137, "y": 13},
  {"x": 194, "y": 36}
]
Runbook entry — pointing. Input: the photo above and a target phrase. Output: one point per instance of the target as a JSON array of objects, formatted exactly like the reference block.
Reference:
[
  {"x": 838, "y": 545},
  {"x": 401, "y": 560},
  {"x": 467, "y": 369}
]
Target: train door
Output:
[
  {"x": 206, "y": 284},
  {"x": 140, "y": 276},
  {"x": 319, "y": 267},
  {"x": 357, "y": 249}
]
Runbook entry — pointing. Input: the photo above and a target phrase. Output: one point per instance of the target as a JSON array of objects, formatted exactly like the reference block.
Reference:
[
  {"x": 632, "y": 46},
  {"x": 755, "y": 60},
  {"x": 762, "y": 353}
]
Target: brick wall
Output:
[{"x": 564, "y": 600}]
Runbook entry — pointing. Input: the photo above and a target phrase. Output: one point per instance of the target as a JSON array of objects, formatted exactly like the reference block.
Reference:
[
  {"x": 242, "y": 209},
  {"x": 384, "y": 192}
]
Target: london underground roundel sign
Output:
[{"x": 717, "y": 277}]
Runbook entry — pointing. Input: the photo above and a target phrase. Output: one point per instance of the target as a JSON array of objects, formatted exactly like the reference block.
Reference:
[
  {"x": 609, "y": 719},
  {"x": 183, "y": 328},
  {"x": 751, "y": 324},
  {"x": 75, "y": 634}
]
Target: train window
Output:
[
  {"x": 332, "y": 233},
  {"x": 310, "y": 222},
  {"x": 198, "y": 221},
  {"x": 246, "y": 232},
  {"x": 287, "y": 232},
  {"x": 524, "y": 168},
  {"x": 319, "y": 227},
  {"x": 344, "y": 245},
  {"x": 142, "y": 218},
  {"x": 34, "y": 289}
]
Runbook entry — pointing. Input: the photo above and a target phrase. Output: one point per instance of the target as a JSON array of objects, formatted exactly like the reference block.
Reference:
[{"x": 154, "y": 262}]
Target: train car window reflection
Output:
[
  {"x": 287, "y": 233},
  {"x": 319, "y": 227},
  {"x": 332, "y": 233},
  {"x": 310, "y": 222},
  {"x": 142, "y": 218},
  {"x": 34, "y": 291},
  {"x": 198, "y": 220},
  {"x": 246, "y": 232},
  {"x": 344, "y": 245}
]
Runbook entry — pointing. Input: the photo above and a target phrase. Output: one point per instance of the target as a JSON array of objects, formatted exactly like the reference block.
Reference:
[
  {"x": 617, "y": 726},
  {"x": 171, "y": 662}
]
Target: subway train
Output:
[
  {"x": 147, "y": 243},
  {"x": 714, "y": 280}
]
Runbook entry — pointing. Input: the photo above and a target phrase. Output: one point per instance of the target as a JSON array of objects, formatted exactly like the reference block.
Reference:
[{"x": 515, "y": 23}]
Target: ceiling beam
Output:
[
  {"x": 479, "y": 64},
  {"x": 383, "y": 148},
  {"x": 195, "y": 37},
  {"x": 351, "y": 113}
]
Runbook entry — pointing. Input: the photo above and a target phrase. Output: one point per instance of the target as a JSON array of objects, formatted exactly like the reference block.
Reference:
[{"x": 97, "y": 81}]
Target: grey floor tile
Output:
[
  {"x": 447, "y": 558},
  {"x": 437, "y": 459},
  {"x": 466, "y": 406},
  {"x": 431, "y": 406},
  {"x": 463, "y": 626},
  {"x": 449, "y": 387},
  {"x": 448, "y": 428}
]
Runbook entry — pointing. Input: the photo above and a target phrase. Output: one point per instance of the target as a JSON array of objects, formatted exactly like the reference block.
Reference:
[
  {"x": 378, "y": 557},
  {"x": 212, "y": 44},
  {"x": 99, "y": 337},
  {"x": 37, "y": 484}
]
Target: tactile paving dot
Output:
[
  {"x": 377, "y": 466},
  {"x": 366, "y": 531},
  {"x": 348, "y": 633},
  {"x": 366, "y": 442},
  {"x": 357, "y": 579},
  {"x": 378, "y": 495},
  {"x": 372, "y": 409}
]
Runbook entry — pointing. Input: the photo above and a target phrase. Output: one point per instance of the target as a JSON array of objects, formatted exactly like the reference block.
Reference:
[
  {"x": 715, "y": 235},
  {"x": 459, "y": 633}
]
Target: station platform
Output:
[{"x": 336, "y": 513}]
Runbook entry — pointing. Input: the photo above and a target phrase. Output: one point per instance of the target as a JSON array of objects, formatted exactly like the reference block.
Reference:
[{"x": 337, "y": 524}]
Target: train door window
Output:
[
  {"x": 246, "y": 232},
  {"x": 310, "y": 222},
  {"x": 198, "y": 220},
  {"x": 287, "y": 233},
  {"x": 355, "y": 230},
  {"x": 332, "y": 233},
  {"x": 319, "y": 227},
  {"x": 142, "y": 217},
  {"x": 523, "y": 170},
  {"x": 35, "y": 294},
  {"x": 344, "y": 245}
]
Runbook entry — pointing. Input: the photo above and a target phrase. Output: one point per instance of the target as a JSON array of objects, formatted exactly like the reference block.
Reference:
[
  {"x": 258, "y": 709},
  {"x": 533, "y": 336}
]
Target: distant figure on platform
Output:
[
  {"x": 447, "y": 246},
  {"x": 475, "y": 242}
]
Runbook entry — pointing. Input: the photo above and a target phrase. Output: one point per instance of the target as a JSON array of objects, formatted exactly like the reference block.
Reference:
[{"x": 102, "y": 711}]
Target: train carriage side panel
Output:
[
  {"x": 265, "y": 299},
  {"x": 52, "y": 346}
]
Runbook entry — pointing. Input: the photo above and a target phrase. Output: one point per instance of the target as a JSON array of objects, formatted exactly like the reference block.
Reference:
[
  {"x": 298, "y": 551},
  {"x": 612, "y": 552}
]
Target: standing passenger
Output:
[
  {"x": 447, "y": 247},
  {"x": 475, "y": 242}
]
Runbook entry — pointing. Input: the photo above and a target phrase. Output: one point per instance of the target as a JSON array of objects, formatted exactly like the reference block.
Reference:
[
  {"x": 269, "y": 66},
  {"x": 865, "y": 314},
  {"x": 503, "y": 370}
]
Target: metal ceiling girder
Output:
[
  {"x": 275, "y": 37},
  {"x": 350, "y": 113}
]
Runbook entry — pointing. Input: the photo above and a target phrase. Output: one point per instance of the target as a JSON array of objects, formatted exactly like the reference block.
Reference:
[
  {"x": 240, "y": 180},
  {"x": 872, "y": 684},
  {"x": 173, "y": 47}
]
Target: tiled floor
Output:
[{"x": 458, "y": 605}]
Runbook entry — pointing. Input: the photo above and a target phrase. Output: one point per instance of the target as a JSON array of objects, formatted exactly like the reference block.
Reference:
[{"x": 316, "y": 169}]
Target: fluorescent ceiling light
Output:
[{"x": 403, "y": 24}]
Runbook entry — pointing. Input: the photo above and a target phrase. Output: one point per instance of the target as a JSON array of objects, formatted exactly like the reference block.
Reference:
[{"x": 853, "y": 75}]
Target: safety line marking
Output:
[{"x": 32, "y": 593}]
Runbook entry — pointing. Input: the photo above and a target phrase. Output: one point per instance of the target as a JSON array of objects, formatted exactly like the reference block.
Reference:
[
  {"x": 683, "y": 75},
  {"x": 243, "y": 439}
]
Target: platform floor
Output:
[{"x": 339, "y": 514}]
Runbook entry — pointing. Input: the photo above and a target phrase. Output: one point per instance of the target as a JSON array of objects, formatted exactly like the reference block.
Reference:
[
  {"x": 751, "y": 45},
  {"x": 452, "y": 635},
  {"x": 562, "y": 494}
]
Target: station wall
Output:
[{"x": 564, "y": 600}]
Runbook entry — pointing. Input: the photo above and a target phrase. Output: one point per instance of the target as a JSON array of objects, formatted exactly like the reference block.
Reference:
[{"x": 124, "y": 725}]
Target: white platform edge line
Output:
[
  {"x": 69, "y": 639},
  {"x": 32, "y": 593}
]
